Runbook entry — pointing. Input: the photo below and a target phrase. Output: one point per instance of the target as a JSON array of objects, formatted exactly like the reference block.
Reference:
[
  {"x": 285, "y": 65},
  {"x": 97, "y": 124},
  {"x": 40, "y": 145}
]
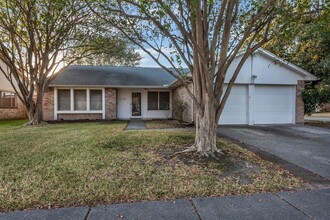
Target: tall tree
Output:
[
  {"x": 38, "y": 38},
  {"x": 307, "y": 41},
  {"x": 203, "y": 35}
]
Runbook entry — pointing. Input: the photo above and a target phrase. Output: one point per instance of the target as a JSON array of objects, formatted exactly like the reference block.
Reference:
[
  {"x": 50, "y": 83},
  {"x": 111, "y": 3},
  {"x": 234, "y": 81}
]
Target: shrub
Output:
[
  {"x": 316, "y": 97},
  {"x": 179, "y": 107}
]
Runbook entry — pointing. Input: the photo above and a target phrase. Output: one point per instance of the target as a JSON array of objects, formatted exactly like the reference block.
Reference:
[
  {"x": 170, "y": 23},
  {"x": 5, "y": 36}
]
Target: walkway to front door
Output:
[{"x": 136, "y": 125}]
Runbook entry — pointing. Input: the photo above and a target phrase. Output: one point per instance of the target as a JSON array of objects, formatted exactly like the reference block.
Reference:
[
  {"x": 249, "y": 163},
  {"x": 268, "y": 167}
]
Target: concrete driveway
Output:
[{"x": 305, "y": 146}]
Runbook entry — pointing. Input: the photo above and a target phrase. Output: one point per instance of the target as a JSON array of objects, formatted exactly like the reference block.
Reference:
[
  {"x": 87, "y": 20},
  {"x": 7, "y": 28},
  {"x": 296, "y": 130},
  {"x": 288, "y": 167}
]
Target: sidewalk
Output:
[
  {"x": 323, "y": 117},
  {"x": 282, "y": 205}
]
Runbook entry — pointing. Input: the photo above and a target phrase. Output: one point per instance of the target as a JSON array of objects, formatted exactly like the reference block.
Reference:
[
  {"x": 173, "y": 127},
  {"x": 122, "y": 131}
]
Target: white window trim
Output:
[
  {"x": 72, "y": 111},
  {"x": 15, "y": 100}
]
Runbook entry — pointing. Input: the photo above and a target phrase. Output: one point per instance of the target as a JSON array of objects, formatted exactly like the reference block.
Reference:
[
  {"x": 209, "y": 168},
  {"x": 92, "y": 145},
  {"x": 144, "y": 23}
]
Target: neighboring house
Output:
[
  {"x": 10, "y": 105},
  {"x": 267, "y": 91}
]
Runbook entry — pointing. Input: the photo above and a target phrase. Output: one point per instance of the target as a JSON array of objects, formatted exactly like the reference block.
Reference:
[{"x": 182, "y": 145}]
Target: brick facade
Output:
[
  {"x": 299, "y": 102},
  {"x": 110, "y": 104},
  {"x": 48, "y": 105},
  {"x": 110, "y": 108},
  {"x": 74, "y": 116},
  {"x": 15, "y": 112},
  {"x": 180, "y": 93}
]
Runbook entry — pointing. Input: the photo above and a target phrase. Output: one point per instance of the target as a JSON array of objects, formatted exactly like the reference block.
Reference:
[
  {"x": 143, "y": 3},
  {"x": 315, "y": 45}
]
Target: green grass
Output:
[
  {"x": 4, "y": 124},
  {"x": 164, "y": 124},
  {"x": 56, "y": 165}
]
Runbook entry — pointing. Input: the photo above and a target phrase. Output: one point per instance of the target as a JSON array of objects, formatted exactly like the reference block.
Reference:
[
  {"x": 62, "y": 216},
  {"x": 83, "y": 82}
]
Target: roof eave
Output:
[
  {"x": 112, "y": 86},
  {"x": 178, "y": 83}
]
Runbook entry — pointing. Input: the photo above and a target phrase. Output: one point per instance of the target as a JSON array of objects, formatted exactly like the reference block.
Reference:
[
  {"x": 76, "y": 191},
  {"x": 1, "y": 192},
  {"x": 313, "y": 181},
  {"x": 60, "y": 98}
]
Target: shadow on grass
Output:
[{"x": 141, "y": 139}]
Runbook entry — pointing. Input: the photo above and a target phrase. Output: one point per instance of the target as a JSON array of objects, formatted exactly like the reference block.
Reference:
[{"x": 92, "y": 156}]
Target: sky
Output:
[{"x": 147, "y": 61}]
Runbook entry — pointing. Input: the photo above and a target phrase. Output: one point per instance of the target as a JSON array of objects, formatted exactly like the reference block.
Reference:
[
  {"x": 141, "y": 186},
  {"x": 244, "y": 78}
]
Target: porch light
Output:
[{"x": 253, "y": 77}]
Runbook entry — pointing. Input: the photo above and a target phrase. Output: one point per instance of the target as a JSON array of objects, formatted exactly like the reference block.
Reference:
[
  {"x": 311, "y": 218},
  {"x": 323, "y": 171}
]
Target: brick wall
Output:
[
  {"x": 48, "y": 105},
  {"x": 181, "y": 93},
  {"x": 299, "y": 102},
  {"x": 110, "y": 103},
  {"x": 13, "y": 113},
  {"x": 85, "y": 116}
]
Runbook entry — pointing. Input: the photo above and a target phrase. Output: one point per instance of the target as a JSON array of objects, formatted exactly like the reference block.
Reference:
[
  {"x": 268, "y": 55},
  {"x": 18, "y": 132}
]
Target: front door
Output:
[{"x": 136, "y": 104}]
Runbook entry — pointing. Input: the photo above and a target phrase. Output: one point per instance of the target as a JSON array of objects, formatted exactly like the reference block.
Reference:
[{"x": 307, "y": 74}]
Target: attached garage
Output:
[{"x": 266, "y": 91}]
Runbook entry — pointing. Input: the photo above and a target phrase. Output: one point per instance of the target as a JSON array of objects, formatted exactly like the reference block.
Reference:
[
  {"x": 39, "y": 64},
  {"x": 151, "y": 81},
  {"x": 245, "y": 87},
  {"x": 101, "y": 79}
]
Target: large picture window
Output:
[
  {"x": 78, "y": 100},
  {"x": 158, "y": 100},
  {"x": 7, "y": 99}
]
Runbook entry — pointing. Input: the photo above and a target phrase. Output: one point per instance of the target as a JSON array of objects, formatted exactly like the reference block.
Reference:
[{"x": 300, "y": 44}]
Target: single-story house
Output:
[
  {"x": 267, "y": 91},
  {"x": 11, "y": 106}
]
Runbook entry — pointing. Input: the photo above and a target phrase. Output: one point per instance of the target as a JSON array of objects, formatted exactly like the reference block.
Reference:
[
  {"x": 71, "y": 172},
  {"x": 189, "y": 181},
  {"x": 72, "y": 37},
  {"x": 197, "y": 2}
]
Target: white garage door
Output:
[
  {"x": 235, "y": 111},
  {"x": 273, "y": 104}
]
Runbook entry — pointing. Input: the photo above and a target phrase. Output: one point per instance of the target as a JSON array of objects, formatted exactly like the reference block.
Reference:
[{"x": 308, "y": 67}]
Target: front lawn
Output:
[
  {"x": 165, "y": 124},
  {"x": 56, "y": 165}
]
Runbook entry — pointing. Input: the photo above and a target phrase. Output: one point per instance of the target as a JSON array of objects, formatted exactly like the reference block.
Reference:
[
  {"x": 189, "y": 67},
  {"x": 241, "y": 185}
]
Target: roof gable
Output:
[
  {"x": 287, "y": 64},
  {"x": 264, "y": 67}
]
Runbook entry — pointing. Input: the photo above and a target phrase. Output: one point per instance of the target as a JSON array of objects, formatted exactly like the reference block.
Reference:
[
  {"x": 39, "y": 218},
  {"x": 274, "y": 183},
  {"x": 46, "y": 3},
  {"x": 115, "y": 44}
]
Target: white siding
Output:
[
  {"x": 4, "y": 83},
  {"x": 124, "y": 100},
  {"x": 271, "y": 72},
  {"x": 124, "y": 105},
  {"x": 267, "y": 71}
]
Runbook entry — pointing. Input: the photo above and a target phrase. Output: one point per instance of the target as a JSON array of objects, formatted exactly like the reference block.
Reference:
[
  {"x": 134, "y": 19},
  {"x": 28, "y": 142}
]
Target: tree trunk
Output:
[
  {"x": 34, "y": 110},
  {"x": 206, "y": 131}
]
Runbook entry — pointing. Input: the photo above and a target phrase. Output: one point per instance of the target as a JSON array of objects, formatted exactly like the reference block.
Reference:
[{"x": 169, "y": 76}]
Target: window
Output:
[
  {"x": 95, "y": 100},
  {"x": 7, "y": 99},
  {"x": 158, "y": 100},
  {"x": 80, "y": 99},
  {"x": 63, "y": 99},
  {"x": 164, "y": 101},
  {"x": 152, "y": 100}
]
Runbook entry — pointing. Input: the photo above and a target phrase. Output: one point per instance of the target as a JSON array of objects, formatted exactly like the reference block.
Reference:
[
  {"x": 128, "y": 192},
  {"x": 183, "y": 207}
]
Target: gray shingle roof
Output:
[{"x": 113, "y": 76}]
